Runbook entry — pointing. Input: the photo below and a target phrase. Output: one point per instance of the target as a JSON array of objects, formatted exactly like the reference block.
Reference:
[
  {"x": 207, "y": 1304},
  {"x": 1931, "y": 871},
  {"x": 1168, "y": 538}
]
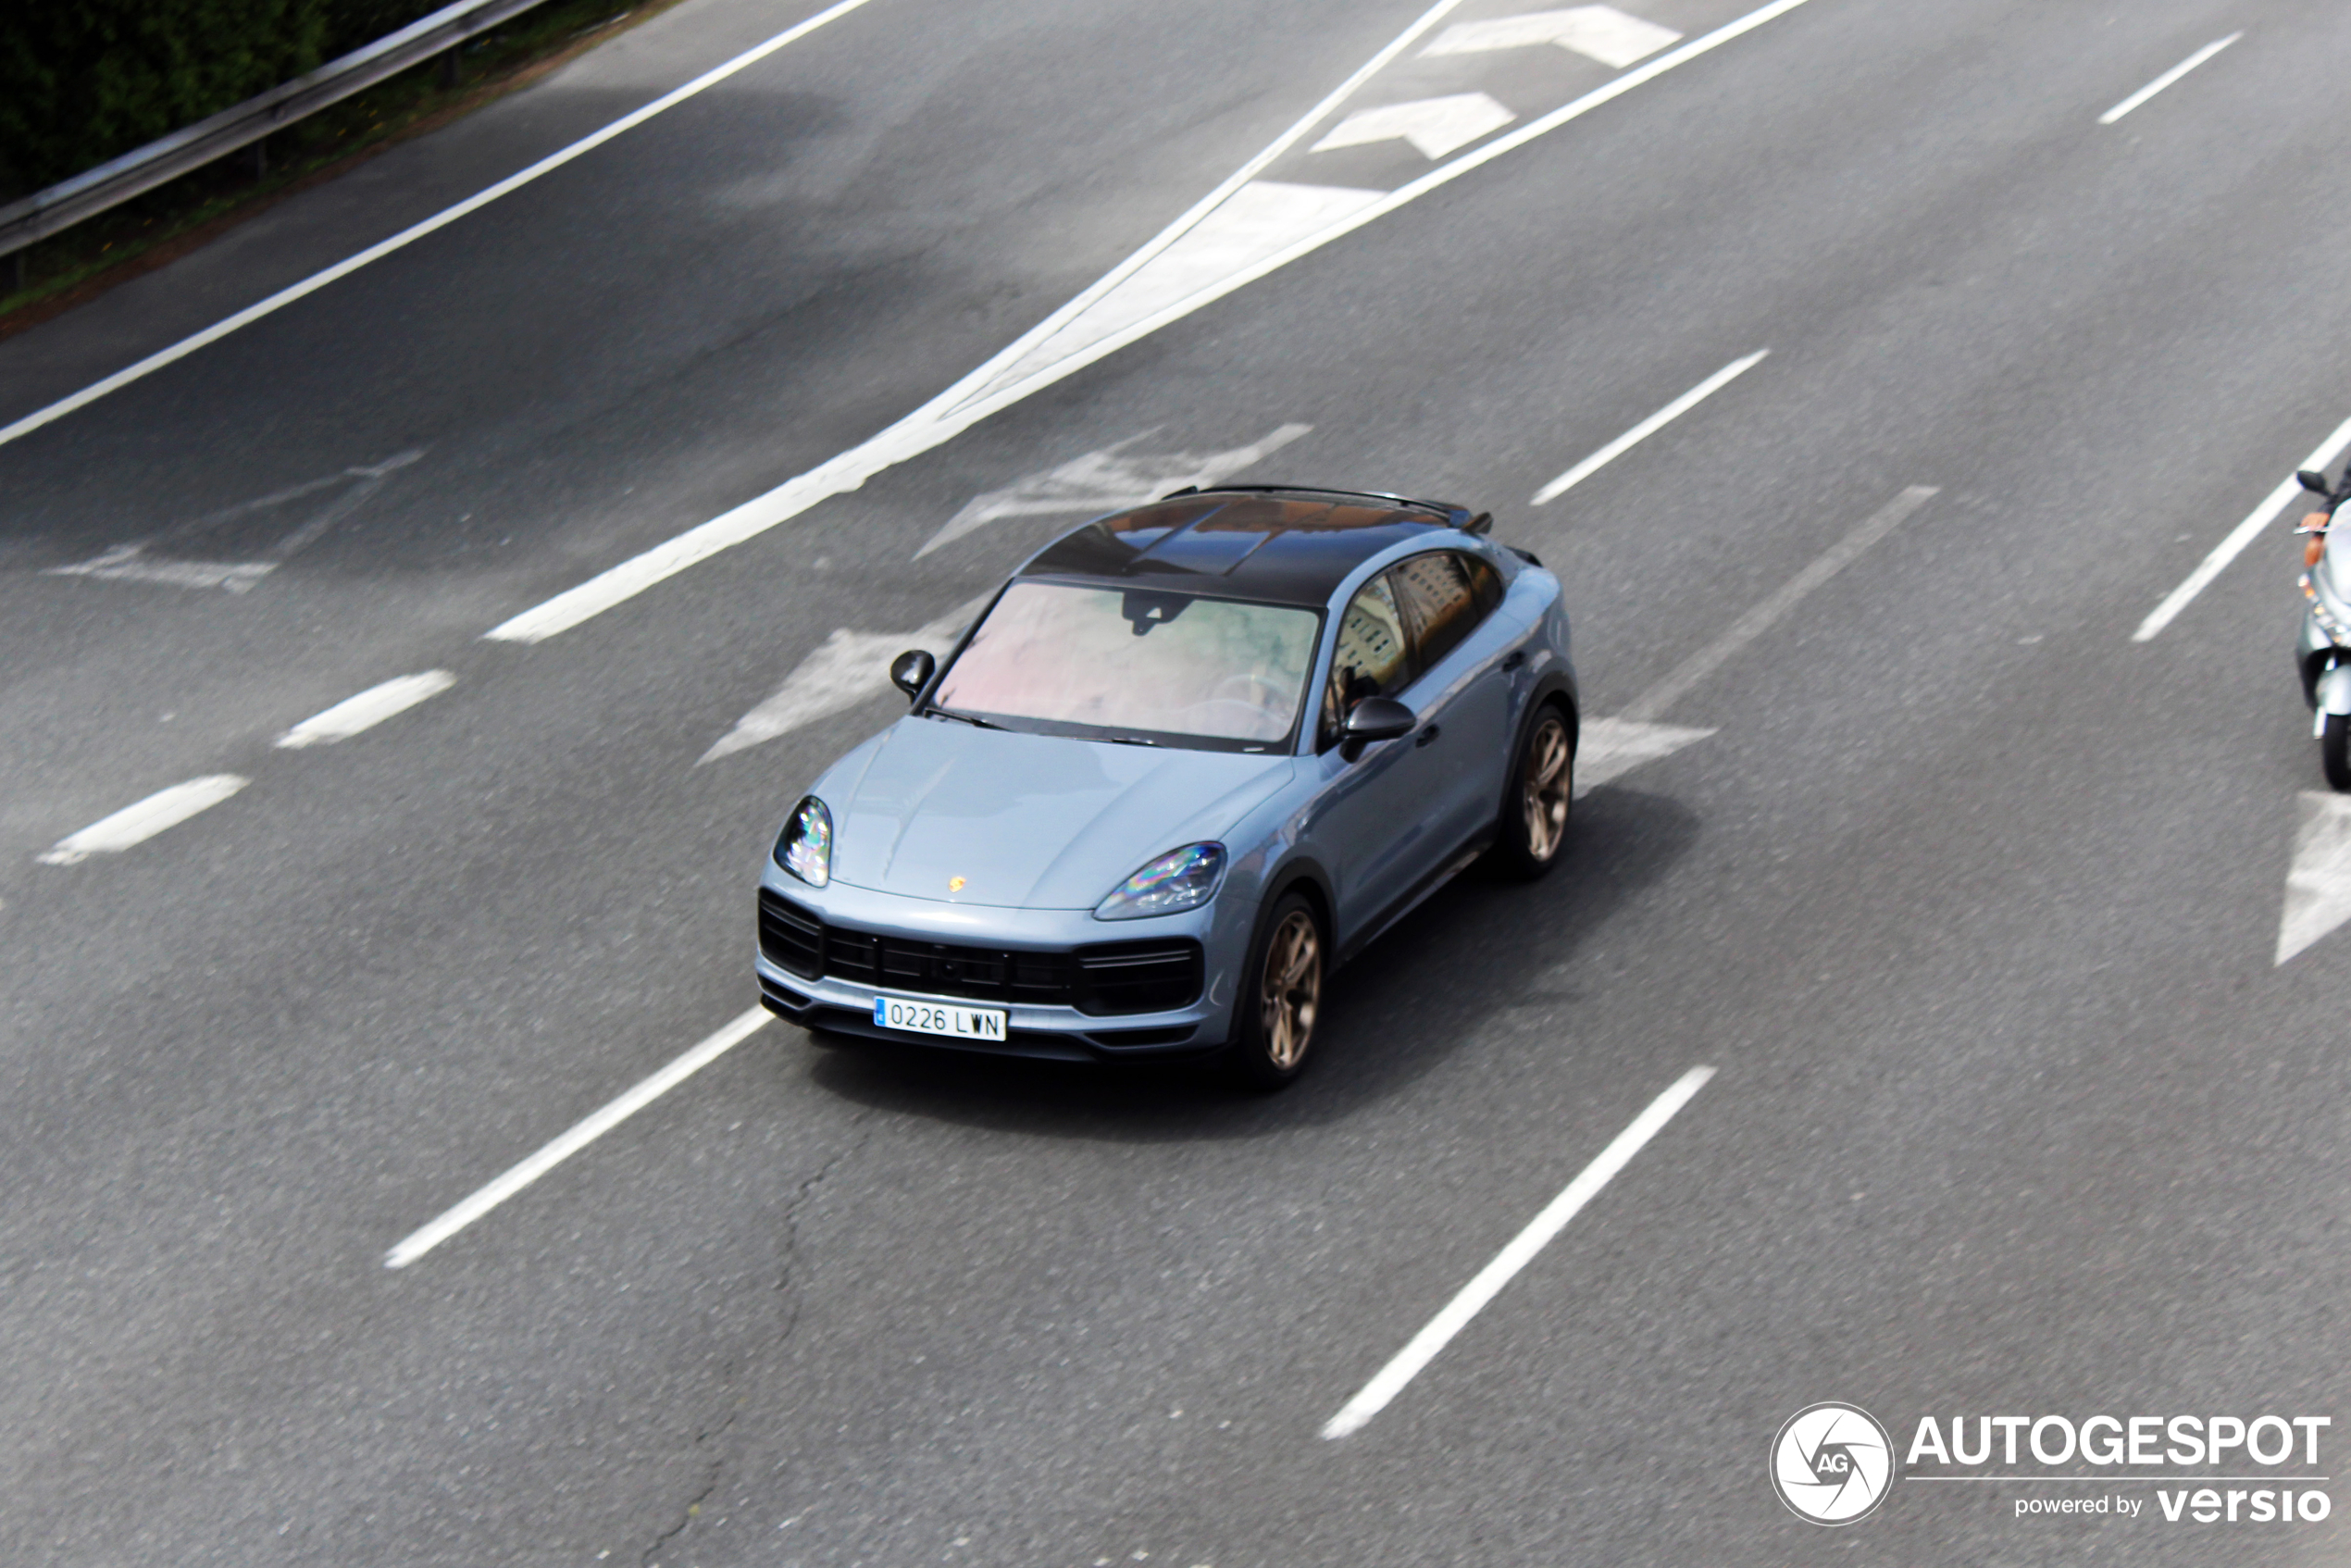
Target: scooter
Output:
[{"x": 2323, "y": 650}]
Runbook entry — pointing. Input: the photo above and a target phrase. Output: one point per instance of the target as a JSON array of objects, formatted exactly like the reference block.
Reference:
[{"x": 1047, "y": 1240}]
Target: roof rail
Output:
[{"x": 1456, "y": 517}]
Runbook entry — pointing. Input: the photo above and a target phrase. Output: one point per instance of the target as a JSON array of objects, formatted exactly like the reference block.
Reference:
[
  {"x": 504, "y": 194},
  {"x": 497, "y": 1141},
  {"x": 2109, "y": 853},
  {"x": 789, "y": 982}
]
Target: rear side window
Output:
[
  {"x": 1445, "y": 595},
  {"x": 1371, "y": 656}
]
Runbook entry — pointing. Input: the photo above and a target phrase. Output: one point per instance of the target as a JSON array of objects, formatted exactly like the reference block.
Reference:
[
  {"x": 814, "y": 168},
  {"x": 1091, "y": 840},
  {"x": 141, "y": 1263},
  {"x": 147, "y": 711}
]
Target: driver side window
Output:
[{"x": 1371, "y": 656}]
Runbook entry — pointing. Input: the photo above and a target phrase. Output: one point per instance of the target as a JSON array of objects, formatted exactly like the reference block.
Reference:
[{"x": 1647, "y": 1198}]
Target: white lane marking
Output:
[
  {"x": 416, "y": 231},
  {"x": 2167, "y": 78},
  {"x": 990, "y": 373},
  {"x": 1263, "y": 219},
  {"x": 137, "y": 823},
  {"x": 1435, "y": 126},
  {"x": 984, "y": 390},
  {"x": 1423, "y": 1347},
  {"x": 583, "y": 1133},
  {"x": 1601, "y": 32},
  {"x": 1648, "y": 427},
  {"x": 848, "y": 669},
  {"x": 1609, "y": 748},
  {"x": 129, "y": 562},
  {"x": 2239, "y": 537},
  {"x": 1107, "y": 480},
  {"x": 2318, "y": 887},
  {"x": 368, "y": 709},
  {"x": 1652, "y": 704}
]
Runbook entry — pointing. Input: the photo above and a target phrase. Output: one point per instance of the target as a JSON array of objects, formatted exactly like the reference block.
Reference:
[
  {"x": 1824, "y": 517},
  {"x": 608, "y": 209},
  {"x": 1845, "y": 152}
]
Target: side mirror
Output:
[
  {"x": 912, "y": 670},
  {"x": 2314, "y": 481},
  {"x": 1378, "y": 719}
]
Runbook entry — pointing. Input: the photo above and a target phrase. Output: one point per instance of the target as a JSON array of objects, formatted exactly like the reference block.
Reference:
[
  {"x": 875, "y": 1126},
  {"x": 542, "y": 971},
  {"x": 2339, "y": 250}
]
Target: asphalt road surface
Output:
[{"x": 1971, "y": 899}]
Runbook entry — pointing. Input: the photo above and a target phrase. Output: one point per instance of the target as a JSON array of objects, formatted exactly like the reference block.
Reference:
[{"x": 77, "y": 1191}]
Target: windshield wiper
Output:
[
  {"x": 973, "y": 719},
  {"x": 1131, "y": 741}
]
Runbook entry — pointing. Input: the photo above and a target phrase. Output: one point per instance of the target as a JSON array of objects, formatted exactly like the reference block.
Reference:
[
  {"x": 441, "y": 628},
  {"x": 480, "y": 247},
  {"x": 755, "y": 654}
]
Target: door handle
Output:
[
  {"x": 1426, "y": 736},
  {"x": 1517, "y": 657}
]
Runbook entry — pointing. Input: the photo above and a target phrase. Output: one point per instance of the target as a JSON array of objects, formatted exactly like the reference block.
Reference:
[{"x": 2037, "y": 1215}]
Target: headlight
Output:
[
  {"x": 2328, "y": 621},
  {"x": 806, "y": 846},
  {"x": 1183, "y": 878}
]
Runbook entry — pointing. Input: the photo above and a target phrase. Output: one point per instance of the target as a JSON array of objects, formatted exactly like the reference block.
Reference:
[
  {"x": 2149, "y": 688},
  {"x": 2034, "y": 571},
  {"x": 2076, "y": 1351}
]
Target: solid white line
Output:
[
  {"x": 2167, "y": 78},
  {"x": 1647, "y": 707},
  {"x": 2241, "y": 535},
  {"x": 1648, "y": 427},
  {"x": 957, "y": 410},
  {"x": 584, "y": 1133},
  {"x": 368, "y": 709},
  {"x": 137, "y": 824},
  {"x": 1390, "y": 1379},
  {"x": 441, "y": 220}
]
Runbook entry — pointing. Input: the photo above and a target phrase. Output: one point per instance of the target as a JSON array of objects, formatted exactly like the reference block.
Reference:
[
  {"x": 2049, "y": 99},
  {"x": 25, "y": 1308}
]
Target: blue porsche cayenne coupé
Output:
[{"x": 1191, "y": 758}]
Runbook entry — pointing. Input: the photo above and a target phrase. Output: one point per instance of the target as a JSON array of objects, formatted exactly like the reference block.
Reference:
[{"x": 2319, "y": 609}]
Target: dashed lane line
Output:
[
  {"x": 581, "y": 1135},
  {"x": 1423, "y": 1347},
  {"x": 2239, "y": 537},
  {"x": 369, "y": 708},
  {"x": 416, "y": 231},
  {"x": 2167, "y": 78},
  {"x": 1648, "y": 427},
  {"x": 137, "y": 823},
  {"x": 1652, "y": 704}
]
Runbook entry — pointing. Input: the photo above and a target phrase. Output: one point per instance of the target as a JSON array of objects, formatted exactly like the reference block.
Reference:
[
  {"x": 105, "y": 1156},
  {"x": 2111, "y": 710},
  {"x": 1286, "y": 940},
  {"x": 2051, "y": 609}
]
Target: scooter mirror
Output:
[{"x": 2316, "y": 482}]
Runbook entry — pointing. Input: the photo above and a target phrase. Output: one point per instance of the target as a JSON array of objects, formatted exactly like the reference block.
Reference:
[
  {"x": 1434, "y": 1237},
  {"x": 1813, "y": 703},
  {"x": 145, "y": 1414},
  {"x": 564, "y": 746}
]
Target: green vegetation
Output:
[{"x": 83, "y": 82}]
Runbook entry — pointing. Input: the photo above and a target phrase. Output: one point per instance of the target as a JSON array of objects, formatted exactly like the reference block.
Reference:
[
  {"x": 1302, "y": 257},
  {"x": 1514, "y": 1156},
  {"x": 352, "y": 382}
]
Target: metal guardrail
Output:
[{"x": 86, "y": 194}]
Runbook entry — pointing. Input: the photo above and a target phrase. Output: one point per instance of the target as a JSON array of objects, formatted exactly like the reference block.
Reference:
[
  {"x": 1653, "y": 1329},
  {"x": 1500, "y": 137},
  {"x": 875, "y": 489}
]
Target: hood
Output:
[{"x": 1032, "y": 821}]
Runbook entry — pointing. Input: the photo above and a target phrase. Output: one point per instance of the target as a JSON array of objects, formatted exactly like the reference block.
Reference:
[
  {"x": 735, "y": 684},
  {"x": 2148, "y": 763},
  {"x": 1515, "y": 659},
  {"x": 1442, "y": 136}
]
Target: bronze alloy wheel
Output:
[
  {"x": 1546, "y": 779},
  {"x": 1291, "y": 992}
]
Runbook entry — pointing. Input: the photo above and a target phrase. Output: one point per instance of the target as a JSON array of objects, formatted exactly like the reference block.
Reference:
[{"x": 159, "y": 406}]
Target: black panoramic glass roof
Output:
[{"x": 1292, "y": 548}]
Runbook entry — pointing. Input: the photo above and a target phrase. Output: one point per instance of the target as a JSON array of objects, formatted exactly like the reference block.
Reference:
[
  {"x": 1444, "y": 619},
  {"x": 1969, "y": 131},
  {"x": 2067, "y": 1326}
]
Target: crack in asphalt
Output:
[{"x": 650, "y": 1557}]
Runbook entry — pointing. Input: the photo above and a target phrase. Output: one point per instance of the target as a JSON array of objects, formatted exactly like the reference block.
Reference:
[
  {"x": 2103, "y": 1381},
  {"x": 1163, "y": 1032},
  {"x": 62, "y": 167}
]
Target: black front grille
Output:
[
  {"x": 1103, "y": 978},
  {"x": 1139, "y": 976}
]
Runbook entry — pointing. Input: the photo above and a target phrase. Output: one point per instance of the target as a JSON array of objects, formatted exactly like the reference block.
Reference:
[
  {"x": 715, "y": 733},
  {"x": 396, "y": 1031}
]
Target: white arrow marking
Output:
[
  {"x": 2318, "y": 889},
  {"x": 131, "y": 563},
  {"x": 1599, "y": 33},
  {"x": 1611, "y": 747},
  {"x": 1435, "y": 125},
  {"x": 1107, "y": 480},
  {"x": 850, "y": 667},
  {"x": 136, "y": 824}
]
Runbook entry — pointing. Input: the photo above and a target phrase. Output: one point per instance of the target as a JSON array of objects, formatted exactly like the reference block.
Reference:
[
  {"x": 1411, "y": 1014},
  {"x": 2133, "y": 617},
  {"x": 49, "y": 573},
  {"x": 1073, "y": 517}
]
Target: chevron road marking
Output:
[
  {"x": 1435, "y": 125},
  {"x": 1014, "y": 374},
  {"x": 1599, "y": 32}
]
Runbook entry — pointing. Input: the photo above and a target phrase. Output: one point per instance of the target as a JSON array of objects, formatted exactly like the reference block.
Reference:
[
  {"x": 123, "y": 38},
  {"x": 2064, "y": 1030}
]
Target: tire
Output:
[
  {"x": 1539, "y": 799},
  {"x": 2335, "y": 751},
  {"x": 1281, "y": 996}
]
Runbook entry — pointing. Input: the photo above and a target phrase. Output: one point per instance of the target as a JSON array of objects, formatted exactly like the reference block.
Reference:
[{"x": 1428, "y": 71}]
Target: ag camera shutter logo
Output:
[{"x": 1832, "y": 1463}]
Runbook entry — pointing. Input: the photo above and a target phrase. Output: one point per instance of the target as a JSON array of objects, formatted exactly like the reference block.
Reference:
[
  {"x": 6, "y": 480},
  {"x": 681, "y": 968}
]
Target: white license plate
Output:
[{"x": 930, "y": 1018}]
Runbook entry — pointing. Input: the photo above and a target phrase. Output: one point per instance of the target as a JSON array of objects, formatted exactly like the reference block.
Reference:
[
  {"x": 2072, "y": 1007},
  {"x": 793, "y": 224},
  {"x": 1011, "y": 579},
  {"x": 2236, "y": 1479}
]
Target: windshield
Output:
[{"x": 1134, "y": 662}]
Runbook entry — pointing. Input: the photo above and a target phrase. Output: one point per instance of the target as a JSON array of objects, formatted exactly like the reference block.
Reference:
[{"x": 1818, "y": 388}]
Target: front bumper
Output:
[{"x": 930, "y": 936}]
